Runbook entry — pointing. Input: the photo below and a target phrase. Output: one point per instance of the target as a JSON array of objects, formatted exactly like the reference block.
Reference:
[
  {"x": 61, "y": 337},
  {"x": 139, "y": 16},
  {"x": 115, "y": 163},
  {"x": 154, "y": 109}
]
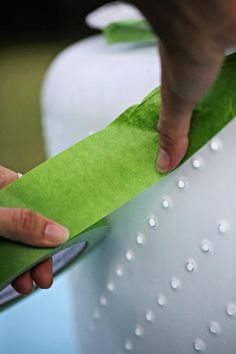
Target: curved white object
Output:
[
  {"x": 163, "y": 282},
  {"x": 112, "y": 12}
]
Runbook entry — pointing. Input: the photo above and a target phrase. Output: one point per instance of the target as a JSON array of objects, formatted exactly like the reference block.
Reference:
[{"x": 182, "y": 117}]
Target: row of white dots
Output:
[
  {"x": 215, "y": 145},
  {"x": 206, "y": 246},
  {"x": 190, "y": 265},
  {"x": 198, "y": 344},
  {"x": 223, "y": 228}
]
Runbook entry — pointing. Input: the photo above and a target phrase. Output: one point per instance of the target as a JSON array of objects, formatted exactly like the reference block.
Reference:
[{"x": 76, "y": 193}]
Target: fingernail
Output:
[
  {"x": 56, "y": 233},
  {"x": 163, "y": 161}
]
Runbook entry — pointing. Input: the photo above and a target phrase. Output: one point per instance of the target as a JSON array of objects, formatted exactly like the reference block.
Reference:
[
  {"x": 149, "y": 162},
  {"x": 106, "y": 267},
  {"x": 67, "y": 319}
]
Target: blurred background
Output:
[{"x": 31, "y": 35}]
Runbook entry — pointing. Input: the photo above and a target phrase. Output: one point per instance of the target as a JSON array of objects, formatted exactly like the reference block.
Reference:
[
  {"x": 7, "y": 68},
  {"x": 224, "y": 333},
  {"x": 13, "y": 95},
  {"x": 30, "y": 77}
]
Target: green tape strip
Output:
[
  {"x": 83, "y": 184},
  {"x": 129, "y": 31}
]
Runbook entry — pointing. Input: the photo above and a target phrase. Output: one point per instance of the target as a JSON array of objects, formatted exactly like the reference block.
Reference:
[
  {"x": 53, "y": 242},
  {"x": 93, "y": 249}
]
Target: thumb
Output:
[
  {"x": 184, "y": 83},
  {"x": 28, "y": 227},
  {"x": 173, "y": 128}
]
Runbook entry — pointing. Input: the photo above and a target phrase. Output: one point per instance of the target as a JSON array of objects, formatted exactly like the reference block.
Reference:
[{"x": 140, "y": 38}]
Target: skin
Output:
[
  {"x": 193, "y": 37},
  {"x": 30, "y": 228}
]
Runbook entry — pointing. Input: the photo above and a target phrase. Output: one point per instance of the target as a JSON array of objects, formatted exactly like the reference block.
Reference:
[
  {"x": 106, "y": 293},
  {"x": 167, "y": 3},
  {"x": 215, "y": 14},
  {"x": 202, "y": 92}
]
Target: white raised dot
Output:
[
  {"x": 181, "y": 184},
  {"x": 149, "y": 316},
  {"x": 231, "y": 309},
  {"x": 129, "y": 255},
  {"x": 119, "y": 271},
  {"x": 91, "y": 132},
  {"x": 206, "y": 246},
  {"x": 129, "y": 345},
  {"x": 152, "y": 221},
  {"x": 191, "y": 265},
  {"x": 140, "y": 239},
  {"x": 139, "y": 331},
  {"x": 215, "y": 145},
  {"x": 223, "y": 227},
  {"x": 214, "y": 327},
  {"x": 96, "y": 314},
  {"x": 175, "y": 284},
  {"x": 161, "y": 300},
  {"x": 166, "y": 203},
  {"x": 103, "y": 300},
  {"x": 199, "y": 345},
  {"x": 110, "y": 286},
  {"x": 196, "y": 163}
]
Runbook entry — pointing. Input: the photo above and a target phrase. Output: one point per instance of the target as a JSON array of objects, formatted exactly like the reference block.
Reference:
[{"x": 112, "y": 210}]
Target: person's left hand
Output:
[{"x": 41, "y": 274}]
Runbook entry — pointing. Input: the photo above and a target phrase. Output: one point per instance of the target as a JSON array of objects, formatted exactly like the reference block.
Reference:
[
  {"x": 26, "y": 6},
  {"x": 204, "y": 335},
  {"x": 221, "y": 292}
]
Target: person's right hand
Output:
[
  {"x": 193, "y": 37},
  {"x": 25, "y": 226}
]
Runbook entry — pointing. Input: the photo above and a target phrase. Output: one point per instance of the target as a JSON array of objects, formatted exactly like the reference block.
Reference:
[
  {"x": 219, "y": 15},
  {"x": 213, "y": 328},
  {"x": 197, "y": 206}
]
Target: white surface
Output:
[
  {"x": 164, "y": 281},
  {"x": 176, "y": 285},
  {"x": 112, "y": 12}
]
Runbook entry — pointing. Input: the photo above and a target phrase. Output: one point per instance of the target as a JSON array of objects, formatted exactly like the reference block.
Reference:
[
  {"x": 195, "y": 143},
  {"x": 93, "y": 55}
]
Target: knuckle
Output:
[{"x": 25, "y": 221}]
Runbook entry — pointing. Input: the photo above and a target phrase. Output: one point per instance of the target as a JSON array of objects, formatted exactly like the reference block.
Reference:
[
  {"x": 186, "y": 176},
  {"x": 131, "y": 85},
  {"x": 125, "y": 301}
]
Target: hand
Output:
[
  {"x": 193, "y": 38},
  {"x": 25, "y": 226}
]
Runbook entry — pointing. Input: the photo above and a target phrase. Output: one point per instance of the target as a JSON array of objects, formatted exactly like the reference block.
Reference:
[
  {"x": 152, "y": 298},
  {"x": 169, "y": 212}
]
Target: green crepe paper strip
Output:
[
  {"x": 85, "y": 183},
  {"x": 129, "y": 31}
]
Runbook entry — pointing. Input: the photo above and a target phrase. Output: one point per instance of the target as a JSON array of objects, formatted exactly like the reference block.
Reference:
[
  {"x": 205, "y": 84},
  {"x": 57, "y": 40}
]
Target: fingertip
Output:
[
  {"x": 163, "y": 161},
  {"x": 46, "y": 281},
  {"x": 43, "y": 281},
  {"x": 42, "y": 274},
  {"x": 55, "y": 234},
  {"x": 23, "y": 284},
  {"x": 167, "y": 161},
  {"x": 6, "y": 176}
]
